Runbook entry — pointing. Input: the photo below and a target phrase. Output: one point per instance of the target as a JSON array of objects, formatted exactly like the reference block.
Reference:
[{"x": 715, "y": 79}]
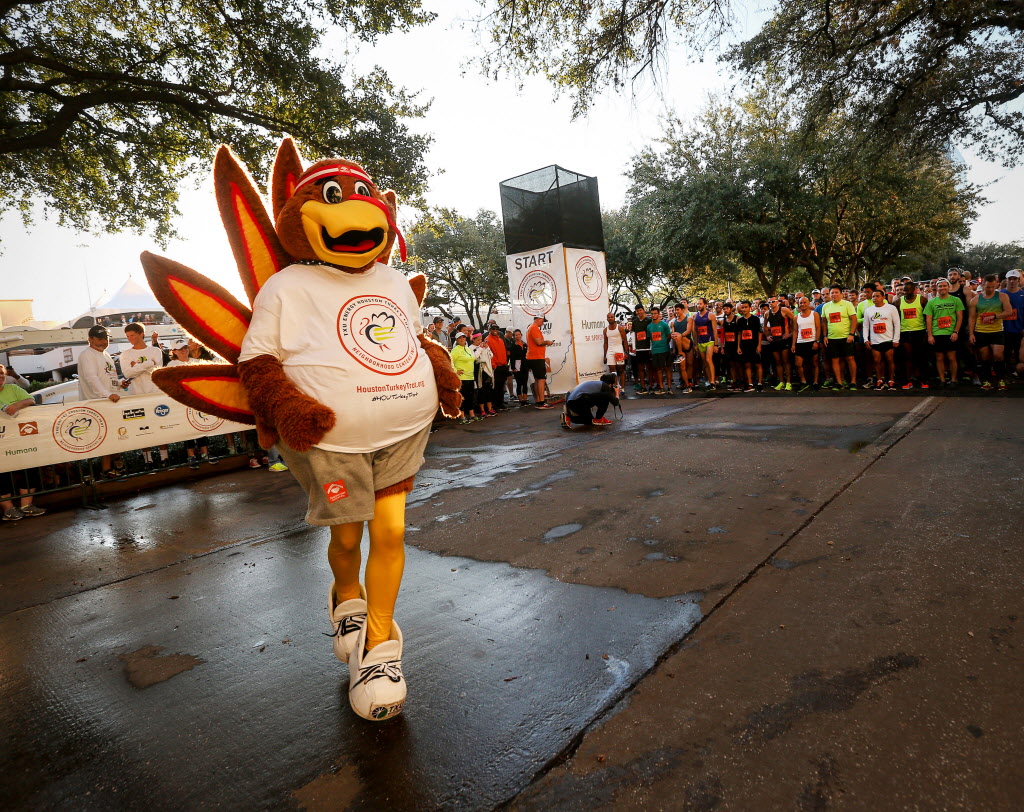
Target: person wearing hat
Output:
[
  {"x": 181, "y": 355},
  {"x": 97, "y": 376}
]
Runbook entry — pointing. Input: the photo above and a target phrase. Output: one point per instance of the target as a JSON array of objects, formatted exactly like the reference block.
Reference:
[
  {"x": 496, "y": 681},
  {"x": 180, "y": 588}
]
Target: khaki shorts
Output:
[{"x": 341, "y": 486}]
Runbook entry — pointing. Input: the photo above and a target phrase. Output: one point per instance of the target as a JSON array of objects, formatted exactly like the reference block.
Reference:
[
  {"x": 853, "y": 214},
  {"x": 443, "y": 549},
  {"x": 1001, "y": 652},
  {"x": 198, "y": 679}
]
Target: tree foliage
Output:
[
  {"x": 942, "y": 70},
  {"x": 929, "y": 71},
  {"x": 106, "y": 106},
  {"x": 463, "y": 259},
  {"x": 745, "y": 188}
]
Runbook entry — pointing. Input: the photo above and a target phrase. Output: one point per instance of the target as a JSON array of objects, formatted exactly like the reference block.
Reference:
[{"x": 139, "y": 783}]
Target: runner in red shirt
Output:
[{"x": 536, "y": 361}]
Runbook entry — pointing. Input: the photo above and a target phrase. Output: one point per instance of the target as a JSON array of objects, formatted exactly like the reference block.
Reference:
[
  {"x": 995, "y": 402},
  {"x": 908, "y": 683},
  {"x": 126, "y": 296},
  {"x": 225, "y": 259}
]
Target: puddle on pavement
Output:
[
  {"x": 562, "y": 530},
  {"x": 493, "y": 654},
  {"x": 533, "y": 488}
]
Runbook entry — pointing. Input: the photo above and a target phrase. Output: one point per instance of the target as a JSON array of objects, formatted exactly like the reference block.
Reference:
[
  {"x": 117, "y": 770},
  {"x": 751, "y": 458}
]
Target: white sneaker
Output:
[
  {"x": 347, "y": 620},
  {"x": 376, "y": 687}
]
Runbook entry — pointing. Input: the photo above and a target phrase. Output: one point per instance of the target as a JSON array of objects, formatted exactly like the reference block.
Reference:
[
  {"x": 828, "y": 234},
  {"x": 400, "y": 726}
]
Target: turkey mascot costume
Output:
[{"x": 332, "y": 366}]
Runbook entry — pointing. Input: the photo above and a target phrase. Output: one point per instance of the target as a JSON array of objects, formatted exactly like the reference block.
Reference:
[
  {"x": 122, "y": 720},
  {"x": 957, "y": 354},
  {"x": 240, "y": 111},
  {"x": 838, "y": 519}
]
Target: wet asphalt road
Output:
[{"x": 167, "y": 653}]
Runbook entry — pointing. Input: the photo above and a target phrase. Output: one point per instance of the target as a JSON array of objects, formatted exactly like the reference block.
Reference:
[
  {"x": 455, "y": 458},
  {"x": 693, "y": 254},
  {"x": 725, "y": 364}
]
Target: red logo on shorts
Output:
[{"x": 335, "y": 490}]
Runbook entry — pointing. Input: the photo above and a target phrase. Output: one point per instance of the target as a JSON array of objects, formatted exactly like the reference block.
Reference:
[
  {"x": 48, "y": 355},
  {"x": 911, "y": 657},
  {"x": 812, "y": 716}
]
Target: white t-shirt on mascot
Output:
[
  {"x": 351, "y": 342},
  {"x": 138, "y": 365}
]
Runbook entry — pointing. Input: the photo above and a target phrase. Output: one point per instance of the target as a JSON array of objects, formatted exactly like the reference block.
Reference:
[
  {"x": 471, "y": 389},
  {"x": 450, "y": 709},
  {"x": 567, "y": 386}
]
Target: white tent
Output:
[{"x": 131, "y": 297}]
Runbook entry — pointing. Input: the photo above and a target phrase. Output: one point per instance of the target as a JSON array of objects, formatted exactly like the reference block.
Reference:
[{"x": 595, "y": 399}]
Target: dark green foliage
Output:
[{"x": 105, "y": 105}]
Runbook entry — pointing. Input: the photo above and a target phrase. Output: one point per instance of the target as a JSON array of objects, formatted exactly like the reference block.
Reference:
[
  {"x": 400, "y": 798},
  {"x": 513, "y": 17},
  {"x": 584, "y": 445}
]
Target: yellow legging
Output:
[{"x": 384, "y": 564}]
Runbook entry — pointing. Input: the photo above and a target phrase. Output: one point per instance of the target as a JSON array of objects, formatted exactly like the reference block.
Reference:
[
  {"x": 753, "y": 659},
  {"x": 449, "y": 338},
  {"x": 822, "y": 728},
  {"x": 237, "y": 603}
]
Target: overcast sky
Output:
[{"x": 484, "y": 132}]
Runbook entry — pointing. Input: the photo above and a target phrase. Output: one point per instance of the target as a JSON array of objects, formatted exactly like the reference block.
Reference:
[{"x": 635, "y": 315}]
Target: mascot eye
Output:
[
  {"x": 362, "y": 189},
  {"x": 332, "y": 192}
]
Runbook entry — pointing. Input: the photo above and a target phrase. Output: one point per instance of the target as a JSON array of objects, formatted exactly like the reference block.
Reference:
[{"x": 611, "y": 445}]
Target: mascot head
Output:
[{"x": 336, "y": 215}]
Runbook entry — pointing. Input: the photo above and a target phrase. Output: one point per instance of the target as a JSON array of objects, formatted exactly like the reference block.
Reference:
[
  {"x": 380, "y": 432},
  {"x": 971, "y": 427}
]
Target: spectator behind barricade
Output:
[
  {"x": 435, "y": 330},
  {"x": 12, "y": 400},
  {"x": 464, "y": 363},
  {"x": 197, "y": 352},
  {"x": 520, "y": 371},
  {"x": 10, "y": 376},
  {"x": 499, "y": 362},
  {"x": 139, "y": 361},
  {"x": 484, "y": 376},
  {"x": 182, "y": 352},
  {"x": 97, "y": 376}
]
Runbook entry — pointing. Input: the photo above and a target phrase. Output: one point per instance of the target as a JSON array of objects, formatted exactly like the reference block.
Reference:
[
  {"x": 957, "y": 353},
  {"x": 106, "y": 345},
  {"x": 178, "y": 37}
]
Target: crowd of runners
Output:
[{"x": 947, "y": 332}]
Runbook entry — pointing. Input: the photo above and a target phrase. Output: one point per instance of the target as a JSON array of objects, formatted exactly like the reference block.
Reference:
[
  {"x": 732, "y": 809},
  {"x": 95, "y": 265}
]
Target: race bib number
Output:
[
  {"x": 988, "y": 318},
  {"x": 656, "y": 336},
  {"x": 835, "y": 318},
  {"x": 945, "y": 322},
  {"x": 776, "y": 331},
  {"x": 703, "y": 331},
  {"x": 619, "y": 357},
  {"x": 878, "y": 327},
  {"x": 910, "y": 313},
  {"x": 730, "y": 336},
  {"x": 806, "y": 332},
  {"x": 1014, "y": 316},
  {"x": 641, "y": 336},
  {"x": 747, "y": 335}
]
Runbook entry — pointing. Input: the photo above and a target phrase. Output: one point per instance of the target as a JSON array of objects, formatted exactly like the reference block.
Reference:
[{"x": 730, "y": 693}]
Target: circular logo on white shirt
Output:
[
  {"x": 201, "y": 421},
  {"x": 375, "y": 332},
  {"x": 79, "y": 429},
  {"x": 537, "y": 293},
  {"x": 588, "y": 277}
]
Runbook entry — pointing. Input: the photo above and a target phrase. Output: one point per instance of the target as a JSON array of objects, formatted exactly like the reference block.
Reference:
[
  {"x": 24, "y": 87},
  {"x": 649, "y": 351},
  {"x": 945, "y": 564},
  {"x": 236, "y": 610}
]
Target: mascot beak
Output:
[{"x": 350, "y": 234}]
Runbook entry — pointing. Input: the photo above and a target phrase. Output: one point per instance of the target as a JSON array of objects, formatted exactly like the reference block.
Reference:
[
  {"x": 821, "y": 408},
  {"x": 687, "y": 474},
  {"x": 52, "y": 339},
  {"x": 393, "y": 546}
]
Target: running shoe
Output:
[
  {"x": 779, "y": 386},
  {"x": 13, "y": 515},
  {"x": 851, "y": 387},
  {"x": 803, "y": 388},
  {"x": 868, "y": 384},
  {"x": 544, "y": 405},
  {"x": 492, "y": 413},
  {"x": 879, "y": 385},
  {"x": 891, "y": 385},
  {"x": 750, "y": 388},
  {"x": 376, "y": 689},
  {"x": 688, "y": 390},
  {"x": 193, "y": 463},
  {"x": 950, "y": 385},
  {"x": 759, "y": 387},
  {"x": 986, "y": 386},
  {"x": 816, "y": 387},
  {"x": 602, "y": 421},
  {"x": 280, "y": 466},
  {"x": 465, "y": 420},
  {"x": 1002, "y": 388},
  {"x": 789, "y": 387},
  {"x": 32, "y": 510},
  {"x": 347, "y": 620},
  {"x": 924, "y": 385},
  {"x": 563, "y": 421},
  {"x": 659, "y": 391},
  {"x": 907, "y": 385},
  {"x": 254, "y": 463}
]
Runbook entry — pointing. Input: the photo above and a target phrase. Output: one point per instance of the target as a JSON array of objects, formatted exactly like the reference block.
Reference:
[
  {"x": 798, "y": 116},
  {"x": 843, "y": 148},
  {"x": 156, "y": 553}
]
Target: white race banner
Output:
[
  {"x": 569, "y": 287},
  {"x": 588, "y": 303},
  {"x": 538, "y": 287},
  {"x": 43, "y": 435}
]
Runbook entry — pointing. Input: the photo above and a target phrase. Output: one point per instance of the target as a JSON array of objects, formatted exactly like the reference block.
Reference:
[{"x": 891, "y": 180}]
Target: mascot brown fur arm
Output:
[{"x": 281, "y": 410}]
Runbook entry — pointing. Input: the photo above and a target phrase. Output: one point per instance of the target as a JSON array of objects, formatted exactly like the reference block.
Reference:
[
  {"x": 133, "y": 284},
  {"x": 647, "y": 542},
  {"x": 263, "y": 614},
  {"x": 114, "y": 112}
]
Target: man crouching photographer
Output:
[{"x": 587, "y": 403}]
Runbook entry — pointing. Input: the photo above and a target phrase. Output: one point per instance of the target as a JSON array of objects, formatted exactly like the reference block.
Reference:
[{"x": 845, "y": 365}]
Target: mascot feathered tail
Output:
[{"x": 303, "y": 205}]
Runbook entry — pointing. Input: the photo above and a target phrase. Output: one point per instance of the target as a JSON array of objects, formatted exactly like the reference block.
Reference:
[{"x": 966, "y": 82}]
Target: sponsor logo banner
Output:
[{"x": 44, "y": 435}]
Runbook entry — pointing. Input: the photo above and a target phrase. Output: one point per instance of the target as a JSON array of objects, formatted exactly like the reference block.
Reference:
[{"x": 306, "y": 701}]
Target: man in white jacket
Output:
[
  {"x": 881, "y": 331},
  {"x": 138, "y": 362},
  {"x": 97, "y": 376}
]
